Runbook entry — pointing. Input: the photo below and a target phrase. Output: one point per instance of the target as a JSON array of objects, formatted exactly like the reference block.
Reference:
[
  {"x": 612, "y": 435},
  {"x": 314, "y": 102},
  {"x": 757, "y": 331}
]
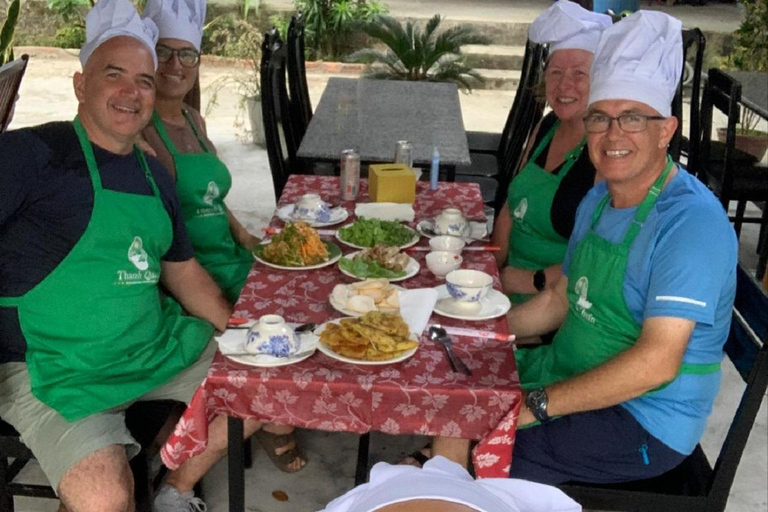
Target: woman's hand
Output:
[{"x": 249, "y": 241}]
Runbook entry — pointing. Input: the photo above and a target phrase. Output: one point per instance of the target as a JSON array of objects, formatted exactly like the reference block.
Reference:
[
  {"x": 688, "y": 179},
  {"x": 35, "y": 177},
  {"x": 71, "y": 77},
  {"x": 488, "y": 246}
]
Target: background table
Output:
[
  {"x": 754, "y": 90},
  {"x": 370, "y": 116},
  {"x": 419, "y": 396}
]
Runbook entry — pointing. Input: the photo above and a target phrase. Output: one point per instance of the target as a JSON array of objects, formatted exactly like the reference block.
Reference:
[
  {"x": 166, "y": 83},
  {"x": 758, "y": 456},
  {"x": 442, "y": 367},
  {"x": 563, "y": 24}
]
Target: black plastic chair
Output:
[
  {"x": 695, "y": 485},
  {"x": 278, "y": 128},
  {"x": 149, "y": 422},
  {"x": 10, "y": 81},
  {"x": 301, "y": 108},
  {"x": 731, "y": 178},
  {"x": 690, "y": 145}
]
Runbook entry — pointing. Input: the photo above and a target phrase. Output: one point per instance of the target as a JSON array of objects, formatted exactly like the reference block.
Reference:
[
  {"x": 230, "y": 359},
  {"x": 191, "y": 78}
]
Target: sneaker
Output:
[{"x": 169, "y": 499}]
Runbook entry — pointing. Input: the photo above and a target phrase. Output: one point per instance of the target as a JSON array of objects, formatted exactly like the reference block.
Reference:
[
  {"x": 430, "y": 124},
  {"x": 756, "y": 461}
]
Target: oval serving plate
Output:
[
  {"x": 414, "y": 240},
  {"x": 333, "y": 250},
  {"x": 410, "y": 270},
  {"x": 333, "y": 355}
]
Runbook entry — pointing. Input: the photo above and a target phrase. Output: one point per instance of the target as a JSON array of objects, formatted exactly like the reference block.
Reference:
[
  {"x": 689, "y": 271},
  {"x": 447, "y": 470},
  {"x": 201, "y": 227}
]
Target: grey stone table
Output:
[
  {"x": 370, "y": 116},
  {"x": 754, "y": 90}
]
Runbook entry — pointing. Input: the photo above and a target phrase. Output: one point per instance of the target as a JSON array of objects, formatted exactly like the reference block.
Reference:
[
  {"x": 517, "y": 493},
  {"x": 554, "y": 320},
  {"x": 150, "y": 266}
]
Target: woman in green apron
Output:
[
  {"x": 538, "y": 217},
  {"x": 177, "y": 135}
]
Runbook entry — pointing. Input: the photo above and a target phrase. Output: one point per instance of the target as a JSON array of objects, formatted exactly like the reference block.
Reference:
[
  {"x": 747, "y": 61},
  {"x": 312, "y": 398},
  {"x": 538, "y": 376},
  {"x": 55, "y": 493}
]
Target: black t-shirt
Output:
[
  {"x": 46, "y": 200},
  {"x": 573, "y": 187}
]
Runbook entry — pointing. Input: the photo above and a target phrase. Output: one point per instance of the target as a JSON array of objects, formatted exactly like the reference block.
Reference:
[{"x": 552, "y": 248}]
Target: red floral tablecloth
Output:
[{"x": 419, "y": 396}]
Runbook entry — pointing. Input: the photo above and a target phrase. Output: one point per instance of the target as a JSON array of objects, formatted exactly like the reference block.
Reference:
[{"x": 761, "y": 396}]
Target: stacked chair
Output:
[
  {"x": 695, "y": 485},
  {"x": 496, "y": 157},
  {"x": 300, "y": 106},
  {"x": 730, "y": 175},
  {"x": 10, "y": 81},
  {"x": 681, "y": 145}
]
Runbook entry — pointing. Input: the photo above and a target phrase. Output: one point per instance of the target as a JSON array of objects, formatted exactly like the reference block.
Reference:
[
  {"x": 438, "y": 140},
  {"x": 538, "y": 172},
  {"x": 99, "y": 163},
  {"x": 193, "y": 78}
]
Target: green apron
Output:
[
  {"x": 97, "y": 332},
  {"x": 533, "y": 242},
  {"x": 599, "y": 324},
  {"x": 202, "y": 183}
]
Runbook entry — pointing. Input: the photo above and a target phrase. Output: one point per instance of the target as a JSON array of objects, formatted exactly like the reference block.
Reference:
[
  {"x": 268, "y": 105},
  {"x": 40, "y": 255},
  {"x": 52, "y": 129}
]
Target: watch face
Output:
[{"x": 536, "y": 401}]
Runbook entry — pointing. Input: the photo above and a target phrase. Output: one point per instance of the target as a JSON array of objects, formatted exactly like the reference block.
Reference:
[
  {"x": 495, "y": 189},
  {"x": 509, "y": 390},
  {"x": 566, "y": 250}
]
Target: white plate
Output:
[
  {"x": 338, "y": 215},
  {"x": 233, "y": 341},
  {"x": 492, "y": 305},
  {"x": 333, "y": 249},
  {"x": 410, "y": 270},
  {"x": 333, "y": 355},
  {"x": 341, "y": 309},
  {"x": 413, "y": 241},
  {"x": 429, "y": 232}
]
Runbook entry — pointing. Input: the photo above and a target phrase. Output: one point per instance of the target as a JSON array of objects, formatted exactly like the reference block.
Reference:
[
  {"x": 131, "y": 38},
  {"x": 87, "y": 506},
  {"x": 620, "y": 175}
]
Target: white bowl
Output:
[
  {"x": 447, "y": 243},
  {"x": 450, "y": 222},
  {"x": 468, "y": 285},
  {"x": 311, "y": 207},
  {"x": 441, "y": 263},
  {"x": 272, "y": 336}
]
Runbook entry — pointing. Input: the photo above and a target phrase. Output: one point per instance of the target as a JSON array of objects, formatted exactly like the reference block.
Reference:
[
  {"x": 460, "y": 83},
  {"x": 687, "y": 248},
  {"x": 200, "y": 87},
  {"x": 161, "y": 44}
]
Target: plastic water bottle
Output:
[{"x": 434, "y": 170}]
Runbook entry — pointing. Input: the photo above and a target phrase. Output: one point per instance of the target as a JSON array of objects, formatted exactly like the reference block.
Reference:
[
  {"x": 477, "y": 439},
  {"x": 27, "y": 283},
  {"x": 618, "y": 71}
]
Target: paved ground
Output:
[{"x": 46, "y": 95}]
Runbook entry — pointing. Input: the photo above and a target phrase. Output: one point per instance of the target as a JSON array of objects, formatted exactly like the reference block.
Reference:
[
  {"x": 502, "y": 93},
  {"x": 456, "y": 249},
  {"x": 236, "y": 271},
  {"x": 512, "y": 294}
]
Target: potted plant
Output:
[
  {"x": 750, "y": 53},
  {"x": 8, "y": 31},
  {"x": 414, "y": 55},
  {"x": 243, "y": 41}
]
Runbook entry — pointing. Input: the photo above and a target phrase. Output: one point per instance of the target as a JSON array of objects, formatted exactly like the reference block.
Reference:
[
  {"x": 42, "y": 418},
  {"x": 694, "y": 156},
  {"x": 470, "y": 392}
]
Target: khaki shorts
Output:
[{"x": 58, "y": 444}]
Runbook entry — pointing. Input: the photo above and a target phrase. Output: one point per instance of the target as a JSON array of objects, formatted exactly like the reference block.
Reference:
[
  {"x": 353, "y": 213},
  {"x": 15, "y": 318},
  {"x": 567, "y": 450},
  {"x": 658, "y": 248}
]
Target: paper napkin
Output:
[{"x": 416, "y": 307}]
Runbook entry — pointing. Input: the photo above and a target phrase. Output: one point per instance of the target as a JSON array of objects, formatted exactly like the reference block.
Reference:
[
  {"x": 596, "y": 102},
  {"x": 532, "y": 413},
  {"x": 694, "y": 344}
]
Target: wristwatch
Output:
[
  {"x": 536, "y": 402},
  {"x": 539, "y": 280}
]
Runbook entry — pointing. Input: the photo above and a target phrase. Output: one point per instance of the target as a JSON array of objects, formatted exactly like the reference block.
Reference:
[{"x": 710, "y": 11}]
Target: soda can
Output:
[
  {"x": 404, "y": 153},
  {"x": 350, "y": 174}
]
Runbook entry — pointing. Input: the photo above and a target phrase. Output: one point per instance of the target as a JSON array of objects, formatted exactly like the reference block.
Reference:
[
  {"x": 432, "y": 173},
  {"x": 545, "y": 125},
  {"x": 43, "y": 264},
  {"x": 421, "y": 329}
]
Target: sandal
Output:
[
  {"x": 273, "y": 442},
  {"x": 418, "y": 456}
]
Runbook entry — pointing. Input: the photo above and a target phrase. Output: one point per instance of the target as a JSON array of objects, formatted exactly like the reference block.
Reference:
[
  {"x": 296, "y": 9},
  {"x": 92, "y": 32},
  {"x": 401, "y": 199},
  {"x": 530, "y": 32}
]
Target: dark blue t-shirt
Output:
[{"x": 46, "y": 200}]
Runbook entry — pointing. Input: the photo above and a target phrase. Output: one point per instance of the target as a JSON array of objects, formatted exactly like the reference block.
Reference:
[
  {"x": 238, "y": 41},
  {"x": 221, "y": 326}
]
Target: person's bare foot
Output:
[{"x": 419, "y": 457}]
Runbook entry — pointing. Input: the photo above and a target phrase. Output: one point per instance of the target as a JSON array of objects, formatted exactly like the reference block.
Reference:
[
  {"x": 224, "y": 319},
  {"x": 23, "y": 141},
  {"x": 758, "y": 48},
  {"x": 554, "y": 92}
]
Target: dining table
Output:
[
  {"x": 371, "y": 116},
  {"x": 418, "y": 396},
  {"x": 754, "y": 90}
]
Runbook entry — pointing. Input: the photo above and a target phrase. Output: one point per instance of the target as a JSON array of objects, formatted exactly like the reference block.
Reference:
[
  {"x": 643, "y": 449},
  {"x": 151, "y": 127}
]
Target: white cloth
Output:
[
  {"x": 640, "y": 58},
  {"x": 396, "y": 212},
  {"x": 568, "y": 26},
  {"x": 416, "y": 307},
  {"x": 441, "y": 479},
  {"x": 178, "y": 19},
  {"x": 113, "y": 18}
]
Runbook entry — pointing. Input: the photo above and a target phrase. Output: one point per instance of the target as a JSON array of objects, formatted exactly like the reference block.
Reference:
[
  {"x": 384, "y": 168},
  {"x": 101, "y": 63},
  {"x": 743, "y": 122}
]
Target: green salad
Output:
[
  {"x": 364, "y": 269},
  {"x": 367, "y": 232}
]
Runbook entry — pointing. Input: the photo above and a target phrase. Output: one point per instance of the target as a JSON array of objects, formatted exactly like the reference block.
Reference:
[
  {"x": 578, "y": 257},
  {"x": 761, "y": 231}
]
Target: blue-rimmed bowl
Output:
[
  {"x": 272, "y": 336},
  {"x": 468, "y": 286}
]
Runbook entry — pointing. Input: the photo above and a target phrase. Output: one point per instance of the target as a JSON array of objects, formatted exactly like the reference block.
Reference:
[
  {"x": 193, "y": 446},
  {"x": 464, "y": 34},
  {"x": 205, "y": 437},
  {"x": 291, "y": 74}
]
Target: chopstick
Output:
[
  {"x": 269, "y": 230},
  {"x": 492, "y": 248},
  {"x": 462, "y": 331}
]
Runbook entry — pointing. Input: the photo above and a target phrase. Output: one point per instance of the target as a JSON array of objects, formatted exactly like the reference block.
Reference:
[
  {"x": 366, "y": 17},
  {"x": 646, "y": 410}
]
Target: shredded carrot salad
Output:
[{"x": 297, "y": 245}]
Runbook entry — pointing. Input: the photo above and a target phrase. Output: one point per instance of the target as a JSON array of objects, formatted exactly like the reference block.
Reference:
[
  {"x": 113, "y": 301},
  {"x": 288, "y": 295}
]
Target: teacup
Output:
[
  {"x": 451, "y": 222},
  {"x": 468, "y": 287},
  {"x": 442, "y": 262},
  {"x": 447, "y": 243},
  {"x": 272, "y": 336},
  {"x": 311, "y": 207}
]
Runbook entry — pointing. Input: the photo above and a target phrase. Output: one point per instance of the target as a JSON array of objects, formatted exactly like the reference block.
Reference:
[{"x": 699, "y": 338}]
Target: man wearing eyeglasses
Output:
[{"x": 643, "y": 309}]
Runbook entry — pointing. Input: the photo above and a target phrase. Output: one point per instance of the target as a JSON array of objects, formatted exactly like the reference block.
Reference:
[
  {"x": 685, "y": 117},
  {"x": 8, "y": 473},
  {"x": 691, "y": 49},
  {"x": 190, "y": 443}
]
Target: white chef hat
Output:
[
  {"x": 178, "y": 19},
  {"x": 441, "y": 479},
  {"x": 566, "y": 25},
  {"x": 639, "y": 58},
  {"x": 113, "y": 18}
]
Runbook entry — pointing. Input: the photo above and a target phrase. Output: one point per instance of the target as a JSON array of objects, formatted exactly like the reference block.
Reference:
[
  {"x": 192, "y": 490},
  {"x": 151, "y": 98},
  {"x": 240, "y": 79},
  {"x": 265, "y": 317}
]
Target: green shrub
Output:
[{"x": 70, "y": 37}]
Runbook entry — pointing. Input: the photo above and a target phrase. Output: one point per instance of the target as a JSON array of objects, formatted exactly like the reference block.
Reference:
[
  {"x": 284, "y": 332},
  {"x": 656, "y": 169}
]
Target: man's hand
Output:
[
  {"x": 542, "y": 314},
  {"x": 196, "y": 291}
]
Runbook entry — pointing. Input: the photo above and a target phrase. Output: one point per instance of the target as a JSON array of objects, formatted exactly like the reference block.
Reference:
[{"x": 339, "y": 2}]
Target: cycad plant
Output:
[
  {"x": 416, "y": 55},
  {"x": 7, "y": 32}
]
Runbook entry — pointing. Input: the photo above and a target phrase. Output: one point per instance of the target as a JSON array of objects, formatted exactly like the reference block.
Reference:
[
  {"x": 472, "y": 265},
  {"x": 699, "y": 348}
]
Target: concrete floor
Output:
[{"x": 46, "y": 95}]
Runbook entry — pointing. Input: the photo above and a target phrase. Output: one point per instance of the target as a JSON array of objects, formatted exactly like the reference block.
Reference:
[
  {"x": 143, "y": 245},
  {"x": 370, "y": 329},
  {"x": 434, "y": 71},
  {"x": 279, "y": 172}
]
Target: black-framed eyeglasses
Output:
[
  {"x": 630, "y": 123},
  {"x": 188, "y": 57}
]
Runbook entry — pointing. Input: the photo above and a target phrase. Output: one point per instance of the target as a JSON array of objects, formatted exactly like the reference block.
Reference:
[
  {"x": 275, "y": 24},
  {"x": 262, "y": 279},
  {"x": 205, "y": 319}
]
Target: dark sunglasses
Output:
[{"x": 188, "y": 57}]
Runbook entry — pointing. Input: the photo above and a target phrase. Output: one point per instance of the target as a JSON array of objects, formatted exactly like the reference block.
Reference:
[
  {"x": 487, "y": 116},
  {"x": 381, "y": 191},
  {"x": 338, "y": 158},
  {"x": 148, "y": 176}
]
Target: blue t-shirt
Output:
[{"x": 682, "y": 264}]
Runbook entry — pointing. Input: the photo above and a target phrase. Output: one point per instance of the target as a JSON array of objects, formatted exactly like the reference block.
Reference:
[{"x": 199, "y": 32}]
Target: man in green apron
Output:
[
  {"x": 90, "y": 228},
  {"x": 644, "y": 305}
]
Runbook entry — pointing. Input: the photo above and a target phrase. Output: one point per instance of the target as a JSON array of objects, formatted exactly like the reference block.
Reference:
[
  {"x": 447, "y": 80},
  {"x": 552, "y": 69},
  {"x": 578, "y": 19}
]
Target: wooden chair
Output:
[
  {"x": 689, "y": 146},
  {"x": 695, "y": 485},
  {"x": 278, "y": 128},
  {"x": 149, "y": 422},
  {"x": 729, "y": 177},
  {"x": 10, "y": 81},
  {"x": 301, "y": 108}
]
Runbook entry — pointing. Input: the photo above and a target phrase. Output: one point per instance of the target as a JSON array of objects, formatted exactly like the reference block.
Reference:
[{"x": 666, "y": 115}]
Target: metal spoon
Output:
[{"x": 437, "y": 333}]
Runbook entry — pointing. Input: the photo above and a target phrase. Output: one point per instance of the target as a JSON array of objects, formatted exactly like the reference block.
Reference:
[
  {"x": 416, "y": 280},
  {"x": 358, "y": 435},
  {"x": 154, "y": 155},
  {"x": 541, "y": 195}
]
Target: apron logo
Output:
[
  {"x": 211, "y": 194},
  {"x": 582, "y": 304},
  {"x": 522, "y": 207},
  {"x": 140, "y": 259},
  {"x": 137, "y": 255}
]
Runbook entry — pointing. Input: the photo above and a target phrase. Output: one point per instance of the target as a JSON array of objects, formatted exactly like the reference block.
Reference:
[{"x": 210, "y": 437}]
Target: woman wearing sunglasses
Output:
[{"x": 178, "y": 136}]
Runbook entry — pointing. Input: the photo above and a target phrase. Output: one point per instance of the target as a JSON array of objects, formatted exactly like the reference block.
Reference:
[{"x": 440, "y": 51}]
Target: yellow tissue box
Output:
[{"x": 391, "y": 183}]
